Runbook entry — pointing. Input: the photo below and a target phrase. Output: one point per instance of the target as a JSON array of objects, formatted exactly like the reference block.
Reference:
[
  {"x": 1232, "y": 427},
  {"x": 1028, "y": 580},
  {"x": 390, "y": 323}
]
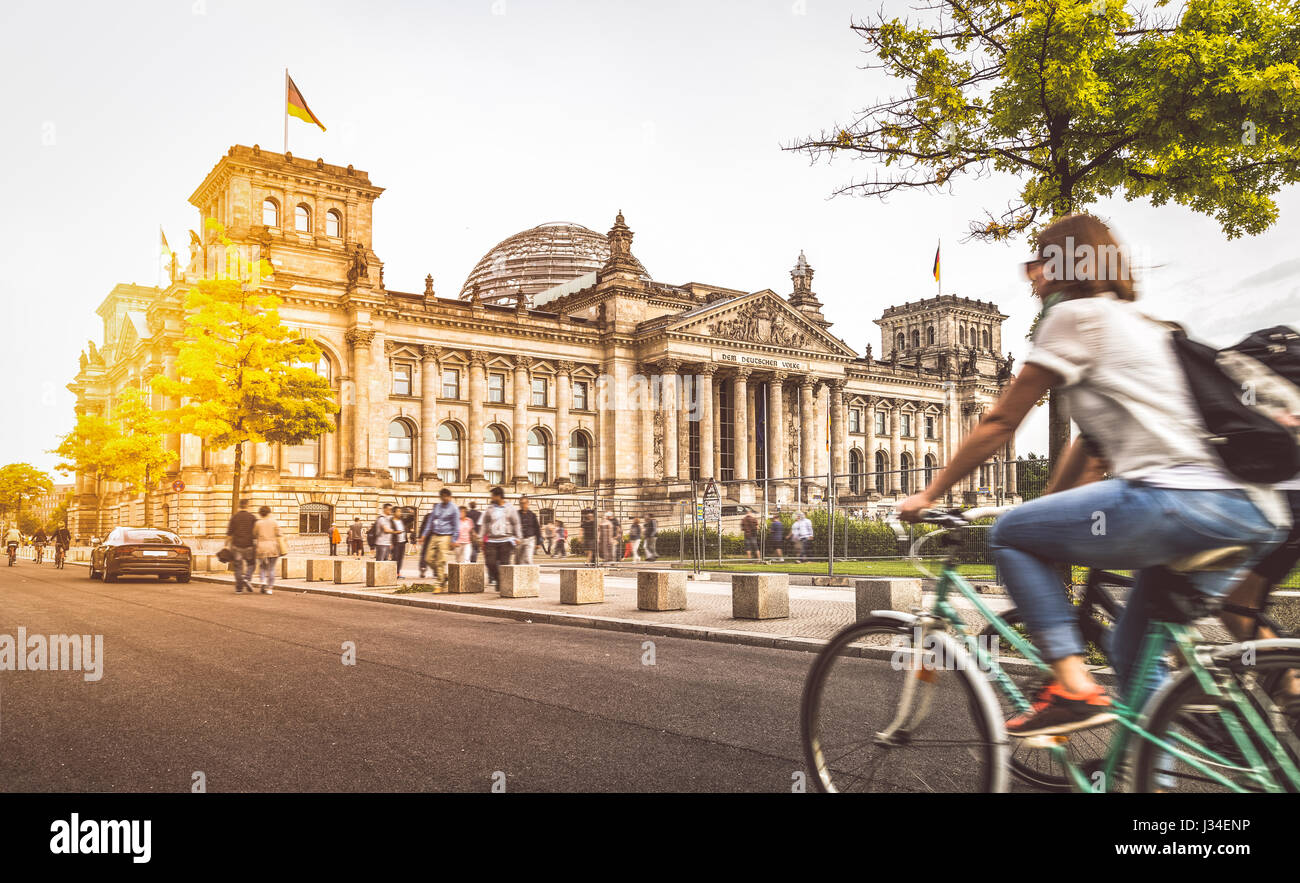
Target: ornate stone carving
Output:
[
  {"x": 430, "y": 353},
  {"x": 478, "y": 357},
  {"x": 659, "y": 443},
  {"x": 707, "y": 368},
  {"x": 742, "y": 372},
  {"x": 524, "y": 362},
  {"x": 762, "y": 324},
  {"x": 359, "y": 268},
  {"x": 359, "y": 337},
  {"x": 564, "y": 366},
  {"x": 669, "y": 366}
]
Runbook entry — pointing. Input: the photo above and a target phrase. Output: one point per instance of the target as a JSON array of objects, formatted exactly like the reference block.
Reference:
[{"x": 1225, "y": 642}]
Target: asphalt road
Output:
[{"x": 252, "y": 691}]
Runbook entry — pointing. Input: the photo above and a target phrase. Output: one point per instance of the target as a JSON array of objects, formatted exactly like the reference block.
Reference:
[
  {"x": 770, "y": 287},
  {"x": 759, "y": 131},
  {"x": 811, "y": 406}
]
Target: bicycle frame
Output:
[{"x": 1159, "y": 636}]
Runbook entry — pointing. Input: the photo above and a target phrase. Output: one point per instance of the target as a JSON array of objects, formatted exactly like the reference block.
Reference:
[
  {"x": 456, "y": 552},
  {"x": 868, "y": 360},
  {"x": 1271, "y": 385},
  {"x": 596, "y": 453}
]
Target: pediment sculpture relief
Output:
[{"x": 759, "y": 324}]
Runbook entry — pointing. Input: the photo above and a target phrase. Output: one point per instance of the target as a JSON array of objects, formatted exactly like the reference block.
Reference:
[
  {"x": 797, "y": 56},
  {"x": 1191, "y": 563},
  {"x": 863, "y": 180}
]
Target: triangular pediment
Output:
[{"x": 763, "y": 318}]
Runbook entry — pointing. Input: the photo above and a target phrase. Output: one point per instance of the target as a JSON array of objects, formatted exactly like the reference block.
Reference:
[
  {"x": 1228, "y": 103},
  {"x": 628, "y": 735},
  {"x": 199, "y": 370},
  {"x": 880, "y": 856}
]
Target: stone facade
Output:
[{"x": 608, "y": 379}]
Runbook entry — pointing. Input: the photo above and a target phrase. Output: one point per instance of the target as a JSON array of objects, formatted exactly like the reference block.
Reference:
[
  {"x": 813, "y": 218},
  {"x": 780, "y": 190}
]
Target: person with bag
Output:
[
  {"x": 466, "y": 534},
  {"x": 335, "y": 539},
  {"x": 381, "y": 534},
  {"x": 357, "y": 538},
  {"x": 270, "y": 546},
  {"x": 242, "y": 545},
  {"x": 1118, "y": 374},
  {"x": 651, "y": 532},
  {"x": 501, "y": 533}
]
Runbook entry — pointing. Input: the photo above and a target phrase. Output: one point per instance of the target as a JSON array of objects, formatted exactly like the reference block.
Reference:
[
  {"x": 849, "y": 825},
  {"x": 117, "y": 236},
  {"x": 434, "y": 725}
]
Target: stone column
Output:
[
  {"x": 519, "y": 446},
  {"x": 776, "y": 426},
  {"x": 918, "y": 451},
  {"x": 896, "y": 447},
  {"x": 360, "y": 340},
  {"x": 751, "y": 449},
  {"x": 430, "y": 380},
  {"x": 668, "y": 405},
  {"x": 807, "y": 430},
  {"x": 1012, "y": 477},
  {"x": 684, "y": 390},
  {"x": 477, "y": 393},
  {"x": 869, "y": 451},
  {"x": 708, "y": 456},
  {"x": 647, "y": 408},
  {"x": 563, "y": 401},
  {"x": 740, "y": 423},
  {"x": 838, "y": 454}
]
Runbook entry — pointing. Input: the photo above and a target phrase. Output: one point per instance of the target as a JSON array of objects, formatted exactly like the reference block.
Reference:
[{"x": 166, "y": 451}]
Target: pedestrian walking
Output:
[
  {"x": 382, "y": 531},
  {"x": 270, "y": 546},
  {"x": 776, "y": 537},
  {"x": 651, "y": 532},
  {"x": 802, "y": 533},
  {"x": 356, "y": 538},
  {"x": 561, "y": 540},
  {"x": 466, "y": 536},
  {"x": 749, "y": 528},
  {"x": 440, "y": 529},
  {"x": 242, "y": 545},
  {"x": 501, "y": 533},
  {"x": 606, "y": 537},
  {"x": 401, "y": 520},
  {"x": 530, "y": 530},
  {"x": 477, "y": 517},
  {"x": 634, "y": 538},
  {"x": 548, "y": 537},
  {"x": 335, "y": 539}
]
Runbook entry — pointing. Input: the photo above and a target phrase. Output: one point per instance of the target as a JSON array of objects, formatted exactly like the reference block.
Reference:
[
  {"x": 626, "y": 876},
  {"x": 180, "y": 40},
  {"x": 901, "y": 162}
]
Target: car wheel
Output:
[
  {"x": 108, "y": 576},
  {"x": 183, "y": 578}
]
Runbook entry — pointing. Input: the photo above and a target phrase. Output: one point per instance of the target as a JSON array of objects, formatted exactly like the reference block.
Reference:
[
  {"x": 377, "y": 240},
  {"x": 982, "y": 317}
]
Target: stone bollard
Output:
[
  {"x": 661, "y": 590},
  {"x": 466, "y": 579},
  {"x": 582, "y": 585},
  {"x": 293, "y": 568},
  {"x": 760, "y": 595},
  {"x": 519, "y": 580},
  {"x": 350, "y": 570},
  {"x": 886, "y": 594},
  {"x": 319, "y": 570},
  {"x": 381, "y": 573}
]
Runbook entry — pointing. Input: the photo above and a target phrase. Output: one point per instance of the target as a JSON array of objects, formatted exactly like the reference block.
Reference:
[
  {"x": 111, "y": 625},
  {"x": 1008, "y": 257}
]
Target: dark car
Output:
[{"x": 141, "y": 551}]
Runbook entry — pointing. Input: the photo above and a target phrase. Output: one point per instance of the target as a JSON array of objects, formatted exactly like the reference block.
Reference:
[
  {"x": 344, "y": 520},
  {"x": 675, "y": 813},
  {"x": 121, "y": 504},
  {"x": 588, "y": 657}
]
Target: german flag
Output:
[
  {"x": 936, "y": 260},
  {"x": 296, "y": 105}
]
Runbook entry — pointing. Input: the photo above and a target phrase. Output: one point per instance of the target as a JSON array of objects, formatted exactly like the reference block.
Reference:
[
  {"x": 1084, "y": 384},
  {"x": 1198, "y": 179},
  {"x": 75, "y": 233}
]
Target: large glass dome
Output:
[{"x": 537, "y": 260}]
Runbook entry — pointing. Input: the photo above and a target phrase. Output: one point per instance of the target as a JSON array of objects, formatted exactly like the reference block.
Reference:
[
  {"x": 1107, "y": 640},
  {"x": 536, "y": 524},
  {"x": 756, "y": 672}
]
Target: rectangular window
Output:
[
  {"x": 496, "y": 388},
  {"x": 450, "y": 383},
  {"x": 929, "y": 427},
  {"x": 880, "y": 423},
  {"x": 855, "y": 420},
  {"x": 539, "y": 392},
  {"x": 302, "y": 460},
  {"x": 726, "y": 434},
  {"x": 907, "y": 425},
  {"x": 401, "y": 378},
  {"x": 579, "y": 395}
]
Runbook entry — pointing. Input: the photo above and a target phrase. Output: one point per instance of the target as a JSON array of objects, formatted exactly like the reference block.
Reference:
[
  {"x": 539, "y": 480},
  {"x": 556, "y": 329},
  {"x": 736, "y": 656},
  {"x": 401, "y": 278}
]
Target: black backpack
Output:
[
  {"x": 372, "y": 534},
  {"x": 1236, "y": 389}
]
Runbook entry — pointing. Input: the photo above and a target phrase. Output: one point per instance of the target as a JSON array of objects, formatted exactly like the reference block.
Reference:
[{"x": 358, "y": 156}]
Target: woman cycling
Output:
[{"x": 1168, "y": 495}]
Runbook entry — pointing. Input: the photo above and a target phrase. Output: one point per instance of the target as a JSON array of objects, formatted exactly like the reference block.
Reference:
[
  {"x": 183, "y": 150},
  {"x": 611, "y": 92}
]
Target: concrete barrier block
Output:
[
  {"x": 582, "y": 585},
  {"x": 201, "y": 562},
  {"x": 319, "y": 570},
  {"x": 661, "y": 590},
  {"x": 519, "y": 580},
  {"x": 466, "y": 579},
  {"x": 880, "y": 593},
  {"x": 350, "y": 570},
  {"x": 760, "y": 595},
  {"x": 293, "y": 568},
  {"x": 381, "y": 573}
]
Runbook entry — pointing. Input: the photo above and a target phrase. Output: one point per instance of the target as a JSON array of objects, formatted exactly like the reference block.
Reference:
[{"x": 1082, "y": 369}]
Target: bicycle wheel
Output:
[
  {"x": 1183, "y": 712},
  {"x": 1039, "y": 766},
  {"x": 882, "y": 714}
]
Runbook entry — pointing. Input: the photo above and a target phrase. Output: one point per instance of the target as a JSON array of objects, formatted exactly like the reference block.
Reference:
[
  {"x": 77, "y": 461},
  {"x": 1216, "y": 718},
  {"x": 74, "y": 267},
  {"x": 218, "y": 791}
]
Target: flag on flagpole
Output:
[
  {"x": 936, "y": 263},
  {"x": 295, "y": 105},
  {"x": 162, "y": 242}
]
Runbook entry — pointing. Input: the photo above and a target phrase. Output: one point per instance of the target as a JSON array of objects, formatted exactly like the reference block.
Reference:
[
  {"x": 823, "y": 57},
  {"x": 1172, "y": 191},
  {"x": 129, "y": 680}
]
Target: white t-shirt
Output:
[{"x": 1126, "y": 390}]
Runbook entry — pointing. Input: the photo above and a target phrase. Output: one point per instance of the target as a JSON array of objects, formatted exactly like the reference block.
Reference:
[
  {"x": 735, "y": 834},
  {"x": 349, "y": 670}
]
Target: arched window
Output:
[
  {"x": 333, "y": 224},
  {"x": 494, "y": 455},
  {"x": 988, "y": 340},
  {"x": 905, "y": 475},
  {"x": 537, "y": 460},
  {"x": 302, "y": 219},
  {"x": 855, "y": 471},
  {"x": 400, "y": 450},
  {"x": 961, "y": 334},
  {"x": 304, "y": 459},
  {"x": 916, "y": 339},
  {"x": 930, "y": 464},
  {"x": 314, "y": 518},
  {"x": 881, "y": 466},
  {"x": 929, "y": 335},
  {"x": 579, "y": 455},
  {"x": 448, "y": 454},
  {"x": 270, "y": 212}
]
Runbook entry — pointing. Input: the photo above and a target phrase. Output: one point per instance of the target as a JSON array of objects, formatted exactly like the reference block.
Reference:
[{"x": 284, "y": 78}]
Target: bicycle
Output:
[
  {"x": 13, "y": 553},
  {"x": 39, "y": 552},
  {"x": 945, "y": 709},
  {"x": 60, "y": 554}
]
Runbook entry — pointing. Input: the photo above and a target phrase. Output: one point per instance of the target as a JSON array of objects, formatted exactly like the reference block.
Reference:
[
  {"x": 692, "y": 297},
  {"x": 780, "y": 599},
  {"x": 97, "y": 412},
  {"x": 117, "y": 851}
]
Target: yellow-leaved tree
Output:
[{"x": 242, "y": 375}]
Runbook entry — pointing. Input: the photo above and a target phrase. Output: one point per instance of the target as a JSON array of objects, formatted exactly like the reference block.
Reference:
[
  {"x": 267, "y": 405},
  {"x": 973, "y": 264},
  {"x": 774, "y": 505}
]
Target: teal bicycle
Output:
[{"x": 932, "y": 718}]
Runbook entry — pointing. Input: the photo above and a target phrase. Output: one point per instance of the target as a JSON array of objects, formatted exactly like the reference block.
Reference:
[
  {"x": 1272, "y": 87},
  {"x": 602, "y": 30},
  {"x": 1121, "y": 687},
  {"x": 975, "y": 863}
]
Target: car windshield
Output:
[{"x": 158, "y": 537}]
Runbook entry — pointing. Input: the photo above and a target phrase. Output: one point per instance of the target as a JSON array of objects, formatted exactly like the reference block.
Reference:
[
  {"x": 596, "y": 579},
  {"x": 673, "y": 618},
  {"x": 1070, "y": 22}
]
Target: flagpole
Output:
[
  {"x": 938, "y": 277},
  {"x": 286, "y": 110}
]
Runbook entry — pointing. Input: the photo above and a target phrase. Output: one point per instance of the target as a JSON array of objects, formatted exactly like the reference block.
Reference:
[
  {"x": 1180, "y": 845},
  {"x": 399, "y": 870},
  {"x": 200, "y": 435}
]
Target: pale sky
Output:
[{"x": 483, "y": 119}]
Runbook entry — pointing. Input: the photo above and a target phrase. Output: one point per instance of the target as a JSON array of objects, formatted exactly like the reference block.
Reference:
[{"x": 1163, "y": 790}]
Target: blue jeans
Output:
[
  {"x": 244, "y": 561},
  {"x": 1118, "y": 524}
]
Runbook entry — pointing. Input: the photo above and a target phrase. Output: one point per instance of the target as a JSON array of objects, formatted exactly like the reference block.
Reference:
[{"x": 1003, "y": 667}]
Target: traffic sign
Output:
[
  {"x": 712, "y": 504},
  {"x": 178, "y": 485}
]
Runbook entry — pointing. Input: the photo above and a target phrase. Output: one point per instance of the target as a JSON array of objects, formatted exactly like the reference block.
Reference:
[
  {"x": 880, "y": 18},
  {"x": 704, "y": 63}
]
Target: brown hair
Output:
[{"x": 1103, "y": 264}]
